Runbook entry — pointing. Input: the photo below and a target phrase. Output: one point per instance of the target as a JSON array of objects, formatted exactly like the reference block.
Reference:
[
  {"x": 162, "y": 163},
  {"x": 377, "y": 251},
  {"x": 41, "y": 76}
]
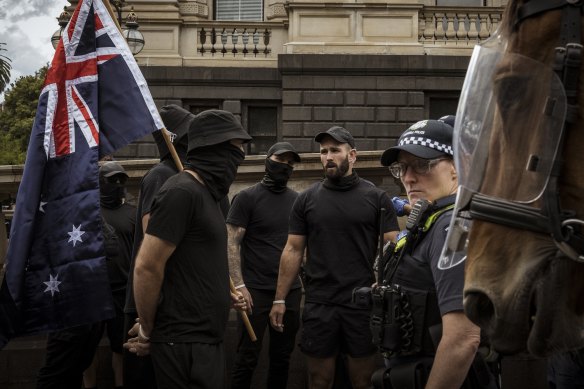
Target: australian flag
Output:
[{"x": 94, "y": 101}]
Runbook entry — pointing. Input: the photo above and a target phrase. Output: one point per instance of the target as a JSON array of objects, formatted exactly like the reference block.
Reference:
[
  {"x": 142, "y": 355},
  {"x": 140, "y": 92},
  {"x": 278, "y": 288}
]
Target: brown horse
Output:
[{"x": 524, "y": 292}]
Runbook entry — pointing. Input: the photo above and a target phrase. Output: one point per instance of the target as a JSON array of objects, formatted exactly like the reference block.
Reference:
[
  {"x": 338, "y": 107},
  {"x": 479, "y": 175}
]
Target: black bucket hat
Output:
[
  {"x": 177, "y": 121},
  {"x": 426, "y": 139},
  {"x": 282, "y": 148},
  {"x": 339, "y": 134},
  {"x": 215, "y": 126}
]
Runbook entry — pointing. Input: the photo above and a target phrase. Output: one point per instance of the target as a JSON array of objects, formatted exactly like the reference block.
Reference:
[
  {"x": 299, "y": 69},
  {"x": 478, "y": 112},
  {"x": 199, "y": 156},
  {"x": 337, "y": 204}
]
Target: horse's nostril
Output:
[{"x": 479, "y": 308}]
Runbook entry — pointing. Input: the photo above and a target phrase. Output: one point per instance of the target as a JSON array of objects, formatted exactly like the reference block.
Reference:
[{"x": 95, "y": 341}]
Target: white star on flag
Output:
[
  {"x": 42, "y": 204},
  {"x": 52, "y": 284},
  {"x": 75, "y": 235}
]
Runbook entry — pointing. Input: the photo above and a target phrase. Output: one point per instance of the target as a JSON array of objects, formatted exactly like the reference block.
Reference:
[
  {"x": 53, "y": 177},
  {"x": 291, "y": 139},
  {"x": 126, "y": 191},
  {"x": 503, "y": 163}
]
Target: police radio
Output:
[{"x": 418, "y": 214}]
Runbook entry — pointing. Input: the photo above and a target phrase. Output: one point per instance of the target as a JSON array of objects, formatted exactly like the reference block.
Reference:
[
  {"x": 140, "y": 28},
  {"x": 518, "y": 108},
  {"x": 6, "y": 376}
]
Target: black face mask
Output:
[
  {"x": 217, "y": 166},
  {"x": 277, "y": 175},
  {"x": 111, "y": 195}
]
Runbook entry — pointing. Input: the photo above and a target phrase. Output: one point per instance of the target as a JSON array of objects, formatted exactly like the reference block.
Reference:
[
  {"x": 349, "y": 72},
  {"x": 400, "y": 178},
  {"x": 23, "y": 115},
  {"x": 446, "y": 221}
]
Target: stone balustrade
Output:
[
  {"x": 457, "y": 25},
  {"x": 222, "y": 40}
]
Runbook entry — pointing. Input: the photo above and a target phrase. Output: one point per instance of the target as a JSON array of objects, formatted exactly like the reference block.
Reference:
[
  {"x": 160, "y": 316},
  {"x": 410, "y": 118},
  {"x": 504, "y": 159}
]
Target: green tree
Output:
[
  {"x": 17, "y": 116},
  {"x": 4, "y": 69}
]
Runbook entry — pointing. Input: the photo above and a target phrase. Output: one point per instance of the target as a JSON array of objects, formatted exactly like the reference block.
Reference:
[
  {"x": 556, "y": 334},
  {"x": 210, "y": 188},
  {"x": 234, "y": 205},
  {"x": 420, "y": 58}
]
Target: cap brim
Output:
[
  {"x": 389, "y": 156},
  {"x": 280, "y": 152},
  {"x": 339, "y": 139},
  {"x": 321, "y": 135},
  {"x": 109, "y": 174}
]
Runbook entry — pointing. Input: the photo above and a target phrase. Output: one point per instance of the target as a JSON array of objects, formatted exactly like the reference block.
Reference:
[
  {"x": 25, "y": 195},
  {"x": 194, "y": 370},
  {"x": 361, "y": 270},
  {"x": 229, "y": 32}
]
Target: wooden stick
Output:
[
  {"x": 244, "y": 317},
  {"x": 180, "y": 168}
]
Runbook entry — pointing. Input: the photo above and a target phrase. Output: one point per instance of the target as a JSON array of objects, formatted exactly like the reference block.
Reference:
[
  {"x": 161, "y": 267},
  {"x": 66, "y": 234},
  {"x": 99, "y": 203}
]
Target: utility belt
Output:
[
  {"x": 401, "y": 319},
  {"x": 414, "y": 375}
]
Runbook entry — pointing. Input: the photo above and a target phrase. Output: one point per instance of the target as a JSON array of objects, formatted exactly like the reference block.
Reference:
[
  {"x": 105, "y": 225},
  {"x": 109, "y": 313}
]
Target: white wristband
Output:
[
  {"x": 279, "y": 302},
  {"x": 141, "y": 333},
  {"x": 240, "y": 286}
]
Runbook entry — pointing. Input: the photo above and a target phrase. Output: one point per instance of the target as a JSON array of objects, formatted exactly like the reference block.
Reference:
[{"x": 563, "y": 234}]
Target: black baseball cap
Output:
[
  {"x": 215, "y": 126},
  {"x": 339, "y": 134},
  {"x": 282, "y": 148},
  {"x": 448, "y": 119},
  {"x": 426, "y": 139},
  {"x": 111, "y": 168}
]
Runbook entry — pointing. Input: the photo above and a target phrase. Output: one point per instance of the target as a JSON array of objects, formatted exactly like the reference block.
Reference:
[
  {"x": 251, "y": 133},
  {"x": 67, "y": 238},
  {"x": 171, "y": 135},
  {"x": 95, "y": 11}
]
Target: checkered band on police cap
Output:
[{"x": 426, "y": 139}]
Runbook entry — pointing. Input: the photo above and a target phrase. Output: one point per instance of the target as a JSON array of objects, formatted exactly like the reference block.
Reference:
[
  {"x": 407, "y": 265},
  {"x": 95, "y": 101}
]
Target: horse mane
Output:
[{"x": 509, "y": 16}]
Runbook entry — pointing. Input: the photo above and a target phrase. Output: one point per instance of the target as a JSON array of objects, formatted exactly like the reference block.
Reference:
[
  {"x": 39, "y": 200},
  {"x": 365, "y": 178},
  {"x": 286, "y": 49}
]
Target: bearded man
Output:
[{"x": 337, "y": 222}]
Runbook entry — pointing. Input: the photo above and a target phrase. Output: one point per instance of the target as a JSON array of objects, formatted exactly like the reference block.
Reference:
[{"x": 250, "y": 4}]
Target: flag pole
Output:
[{"x": 180, "y": 167}]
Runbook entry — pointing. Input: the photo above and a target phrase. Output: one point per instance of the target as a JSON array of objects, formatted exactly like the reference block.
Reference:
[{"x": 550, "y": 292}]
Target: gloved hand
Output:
[{"x": 399, "y": 205}]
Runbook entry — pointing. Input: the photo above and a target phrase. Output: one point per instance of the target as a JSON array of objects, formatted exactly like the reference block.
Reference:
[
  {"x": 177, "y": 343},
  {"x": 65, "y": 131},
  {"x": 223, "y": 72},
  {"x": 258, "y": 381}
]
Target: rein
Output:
[{"x": 551, "y": 218}]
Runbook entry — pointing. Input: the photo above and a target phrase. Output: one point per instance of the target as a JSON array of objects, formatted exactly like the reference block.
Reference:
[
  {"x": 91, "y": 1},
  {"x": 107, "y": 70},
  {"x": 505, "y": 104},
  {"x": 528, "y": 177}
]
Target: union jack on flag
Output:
[{"x": 94, "y": 101}]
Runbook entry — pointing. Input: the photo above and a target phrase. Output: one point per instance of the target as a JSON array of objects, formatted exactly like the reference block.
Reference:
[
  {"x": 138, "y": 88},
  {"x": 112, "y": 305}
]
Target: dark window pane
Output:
[
  {"x": 442, "y": 106},
  {"x": 262, "y": 124}
]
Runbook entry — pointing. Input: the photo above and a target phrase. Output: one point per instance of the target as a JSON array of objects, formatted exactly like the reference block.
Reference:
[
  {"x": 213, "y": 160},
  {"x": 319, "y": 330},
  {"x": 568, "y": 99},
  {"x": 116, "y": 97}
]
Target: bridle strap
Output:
[{"x": 533, "y": 8}]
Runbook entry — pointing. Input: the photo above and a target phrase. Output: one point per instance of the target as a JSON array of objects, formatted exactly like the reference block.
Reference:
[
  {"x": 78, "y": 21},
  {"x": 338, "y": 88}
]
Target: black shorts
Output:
[
  {"x": 188, "y": 365},
  {"x": 330, "y": 329}
]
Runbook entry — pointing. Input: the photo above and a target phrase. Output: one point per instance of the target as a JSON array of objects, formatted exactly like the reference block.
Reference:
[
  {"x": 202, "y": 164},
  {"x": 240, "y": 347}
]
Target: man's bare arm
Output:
[
  {"x": 145, "y": 220},
  {"x": 235, "y": 235},
  {"x": 148, "y": 276},
  {"x": 289, "y": 267},
  {"x": 290, "y": 264}
]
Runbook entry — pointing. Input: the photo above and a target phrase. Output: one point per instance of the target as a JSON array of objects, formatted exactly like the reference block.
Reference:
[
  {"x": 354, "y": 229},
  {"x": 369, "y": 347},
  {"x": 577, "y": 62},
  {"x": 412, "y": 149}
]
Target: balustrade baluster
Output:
[
  {"x": 450, "y": 33},
  {"x": 495, "y": 19},
  {"x": 223, "y": 41},
  {"x": 463, "y": 22},
  {"x": 245, "y": 39},
  {"x": 213, "y": 41},
  {"x": 440, "y": 34},
  {"x": 234, "y": 40},
  {"x": 202, "y": 39},
  {"x": 473, "y": 33},
  {"x": 266, "y": 42},
  {"x": 256, "y": 40},
  {"x": 430, "y": 28}
]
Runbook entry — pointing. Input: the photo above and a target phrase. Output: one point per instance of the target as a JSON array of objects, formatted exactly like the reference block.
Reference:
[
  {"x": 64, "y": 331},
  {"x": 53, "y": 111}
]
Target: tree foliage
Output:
[
  {"x": 5, "y": 68},
  {"x": 17, "y": 116}
]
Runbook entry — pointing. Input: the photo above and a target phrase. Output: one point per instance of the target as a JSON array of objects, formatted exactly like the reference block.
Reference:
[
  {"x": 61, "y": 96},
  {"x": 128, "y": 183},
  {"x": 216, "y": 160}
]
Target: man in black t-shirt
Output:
[
  {"x": 257, "y": 228},
  {"x": 138, "y": 371},
  {"x": 181, "y": 275},
  {"x": 337, "y": 221}
]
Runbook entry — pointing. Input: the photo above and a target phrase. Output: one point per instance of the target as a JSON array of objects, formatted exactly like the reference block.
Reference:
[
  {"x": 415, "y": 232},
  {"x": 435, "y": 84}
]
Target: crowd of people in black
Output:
[{"x": 170, "y": 261}]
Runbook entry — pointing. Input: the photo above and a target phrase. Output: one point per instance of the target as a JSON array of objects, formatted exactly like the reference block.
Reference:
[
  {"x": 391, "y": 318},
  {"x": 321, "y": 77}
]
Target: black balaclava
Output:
[
  {"x": 112, "y": 191},
  {"x": 277, "y": 175},
  {"x": 217, "y": 165}
]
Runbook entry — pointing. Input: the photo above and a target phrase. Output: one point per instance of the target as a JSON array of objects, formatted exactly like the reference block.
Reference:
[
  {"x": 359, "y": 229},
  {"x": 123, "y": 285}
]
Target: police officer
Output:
[{"x": 443, "y": 342}]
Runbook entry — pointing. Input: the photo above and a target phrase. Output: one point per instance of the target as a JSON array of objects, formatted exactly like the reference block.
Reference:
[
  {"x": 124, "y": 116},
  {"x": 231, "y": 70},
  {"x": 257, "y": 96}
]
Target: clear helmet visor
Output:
[{"x": 508, "y": 126}]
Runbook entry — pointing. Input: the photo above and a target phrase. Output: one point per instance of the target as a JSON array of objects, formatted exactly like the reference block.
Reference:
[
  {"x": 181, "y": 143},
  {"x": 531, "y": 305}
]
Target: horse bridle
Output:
[{"x": 551, "y": 219}]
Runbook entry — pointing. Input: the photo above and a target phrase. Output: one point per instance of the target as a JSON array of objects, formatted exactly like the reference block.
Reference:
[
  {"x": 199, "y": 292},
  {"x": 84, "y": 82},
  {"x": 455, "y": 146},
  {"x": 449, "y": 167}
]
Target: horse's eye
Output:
[{"x": 511, "y": 94}]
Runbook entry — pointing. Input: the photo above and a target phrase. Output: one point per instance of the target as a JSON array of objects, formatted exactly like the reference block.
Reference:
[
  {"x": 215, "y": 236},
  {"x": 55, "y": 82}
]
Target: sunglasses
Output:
[{"x": 419, "y": 166}]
